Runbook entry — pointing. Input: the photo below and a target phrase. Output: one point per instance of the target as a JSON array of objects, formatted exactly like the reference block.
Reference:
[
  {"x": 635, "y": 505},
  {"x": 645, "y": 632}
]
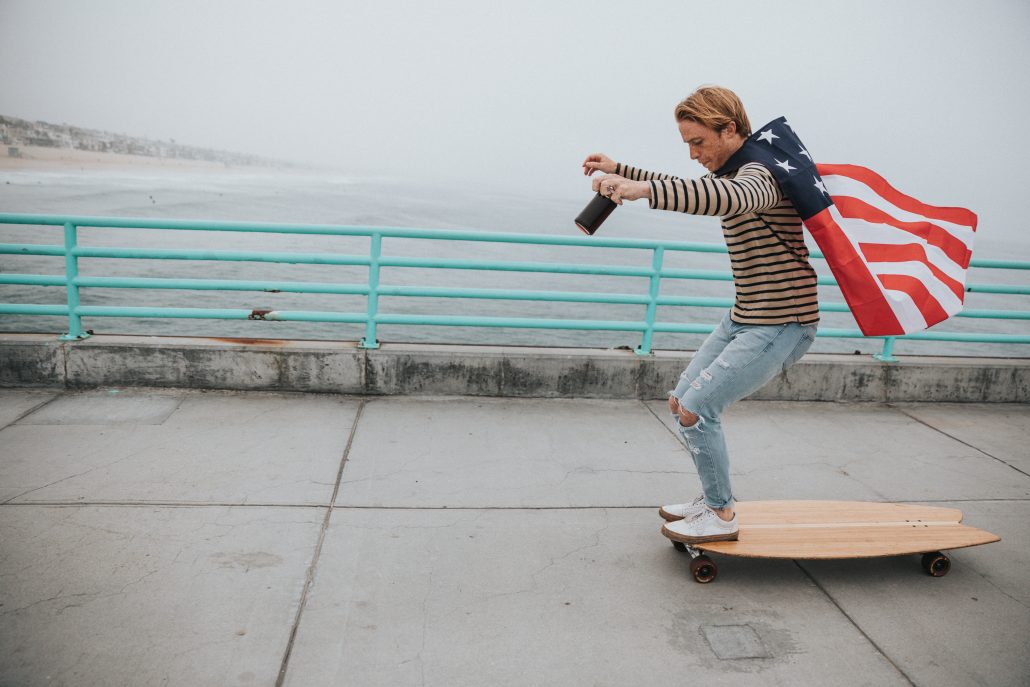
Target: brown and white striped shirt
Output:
[{"x": 774, "y": 282}]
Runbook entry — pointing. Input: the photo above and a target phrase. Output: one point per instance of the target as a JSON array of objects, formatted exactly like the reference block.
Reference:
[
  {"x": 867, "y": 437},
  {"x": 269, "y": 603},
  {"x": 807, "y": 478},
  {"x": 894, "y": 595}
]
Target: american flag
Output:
[{"x": 901, "y": 264}]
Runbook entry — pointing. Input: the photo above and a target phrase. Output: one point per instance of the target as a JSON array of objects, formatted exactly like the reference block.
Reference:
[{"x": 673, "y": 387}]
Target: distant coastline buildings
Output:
[{"x": 17, "y": 133}]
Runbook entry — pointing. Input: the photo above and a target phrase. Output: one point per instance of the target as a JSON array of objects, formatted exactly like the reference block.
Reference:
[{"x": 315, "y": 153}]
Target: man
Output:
[{"x": 775, "y": 312}]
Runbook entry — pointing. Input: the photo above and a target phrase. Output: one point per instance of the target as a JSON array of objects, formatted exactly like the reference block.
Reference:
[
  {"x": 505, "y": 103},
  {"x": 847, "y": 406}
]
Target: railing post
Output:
[
  {"x": 71, "y": 275},
  {"x": 884, "y": 355},
  {"x": 652, "y": 304},
  {"x": 370, "y": 340}
]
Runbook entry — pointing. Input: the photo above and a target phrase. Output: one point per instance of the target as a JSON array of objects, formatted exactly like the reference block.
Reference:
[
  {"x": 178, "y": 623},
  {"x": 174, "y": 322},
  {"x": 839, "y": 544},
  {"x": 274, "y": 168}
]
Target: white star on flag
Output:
[
  {"x": 805, "y": 153},
  {"x": 819, "y": 185},
  {"x": 767, "y": 136},
  {"x": 786, "y": 165}
]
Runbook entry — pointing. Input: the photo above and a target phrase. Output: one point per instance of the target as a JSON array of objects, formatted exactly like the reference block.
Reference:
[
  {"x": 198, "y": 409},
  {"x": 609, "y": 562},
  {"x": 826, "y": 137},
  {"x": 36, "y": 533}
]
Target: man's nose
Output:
[{"x": 694, "y": 154}]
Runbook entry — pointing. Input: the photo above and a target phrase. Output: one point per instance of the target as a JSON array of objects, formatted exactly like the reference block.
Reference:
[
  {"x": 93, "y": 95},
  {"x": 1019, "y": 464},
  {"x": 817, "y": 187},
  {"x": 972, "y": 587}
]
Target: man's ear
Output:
[{"x": 730, "y": 129}]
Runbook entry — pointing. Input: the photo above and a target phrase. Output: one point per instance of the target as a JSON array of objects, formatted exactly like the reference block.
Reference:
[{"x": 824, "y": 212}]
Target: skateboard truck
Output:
[{"x": 702, "y": 567}]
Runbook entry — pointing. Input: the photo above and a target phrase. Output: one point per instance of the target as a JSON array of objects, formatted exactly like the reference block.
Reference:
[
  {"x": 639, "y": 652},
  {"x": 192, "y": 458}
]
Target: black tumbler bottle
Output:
[{"x": 594, "y": 214}]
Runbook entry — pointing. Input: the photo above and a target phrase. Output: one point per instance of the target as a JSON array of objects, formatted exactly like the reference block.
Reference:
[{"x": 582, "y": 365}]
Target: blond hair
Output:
[{"x": 714, "y": 107}]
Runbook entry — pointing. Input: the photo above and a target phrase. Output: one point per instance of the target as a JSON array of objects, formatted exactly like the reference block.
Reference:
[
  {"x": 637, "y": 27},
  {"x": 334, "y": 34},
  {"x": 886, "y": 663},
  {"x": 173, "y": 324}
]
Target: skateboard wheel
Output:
[
  {"x": 679, "y": 546},
  {"x": 703, "y": 569},
  {"x": 936, "y": 564}
]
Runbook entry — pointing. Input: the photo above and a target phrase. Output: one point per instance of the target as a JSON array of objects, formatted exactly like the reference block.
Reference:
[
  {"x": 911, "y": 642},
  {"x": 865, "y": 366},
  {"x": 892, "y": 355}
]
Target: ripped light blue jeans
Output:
[{"x": 734, "y": 361}]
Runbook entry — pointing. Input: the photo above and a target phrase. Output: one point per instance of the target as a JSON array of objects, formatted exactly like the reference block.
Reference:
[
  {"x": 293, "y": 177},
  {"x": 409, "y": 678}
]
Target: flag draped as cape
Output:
[{"x": 901, "y": 264}]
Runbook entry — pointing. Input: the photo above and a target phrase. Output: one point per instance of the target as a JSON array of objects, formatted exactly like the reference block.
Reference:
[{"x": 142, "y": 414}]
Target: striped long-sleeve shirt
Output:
[{"x": 774, "y": 282}]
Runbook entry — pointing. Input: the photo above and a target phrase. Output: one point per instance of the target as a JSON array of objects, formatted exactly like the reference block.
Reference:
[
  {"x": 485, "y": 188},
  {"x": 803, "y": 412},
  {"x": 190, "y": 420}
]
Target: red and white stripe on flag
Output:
[{"x": 901, "y": 264}]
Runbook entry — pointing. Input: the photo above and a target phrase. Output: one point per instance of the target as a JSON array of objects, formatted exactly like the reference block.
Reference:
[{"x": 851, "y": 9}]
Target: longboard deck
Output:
[{"x": 845, "y": 529}]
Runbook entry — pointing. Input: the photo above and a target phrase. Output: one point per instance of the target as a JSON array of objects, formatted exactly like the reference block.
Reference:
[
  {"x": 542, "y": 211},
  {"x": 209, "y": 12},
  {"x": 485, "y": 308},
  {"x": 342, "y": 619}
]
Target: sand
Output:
[{"x": 33, "y": 158}]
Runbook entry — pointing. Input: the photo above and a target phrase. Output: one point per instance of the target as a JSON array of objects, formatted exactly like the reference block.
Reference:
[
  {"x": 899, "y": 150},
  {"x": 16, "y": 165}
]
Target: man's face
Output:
[{"x": 710, "y": 147}]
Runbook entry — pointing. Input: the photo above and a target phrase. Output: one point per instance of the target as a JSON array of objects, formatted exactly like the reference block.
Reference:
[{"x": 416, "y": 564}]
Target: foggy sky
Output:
[{"x": 931, "y": 94}]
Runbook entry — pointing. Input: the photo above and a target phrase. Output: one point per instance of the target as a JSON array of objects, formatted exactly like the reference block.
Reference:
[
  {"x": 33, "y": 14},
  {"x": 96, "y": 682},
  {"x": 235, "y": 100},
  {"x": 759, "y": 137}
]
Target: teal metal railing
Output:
[{"x": 374, "y": 288}]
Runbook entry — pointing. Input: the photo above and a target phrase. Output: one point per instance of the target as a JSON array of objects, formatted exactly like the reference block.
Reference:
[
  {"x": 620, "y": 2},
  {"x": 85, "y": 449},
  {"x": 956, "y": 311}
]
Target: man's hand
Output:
[
  {"x": 598, "y": 162},
  {"x": 620, "y": 188}
]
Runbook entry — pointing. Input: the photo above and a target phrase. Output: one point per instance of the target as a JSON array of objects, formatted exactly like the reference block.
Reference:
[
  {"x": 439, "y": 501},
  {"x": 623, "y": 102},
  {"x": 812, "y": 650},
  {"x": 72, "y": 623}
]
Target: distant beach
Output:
[{"x": 40, "y": 158}]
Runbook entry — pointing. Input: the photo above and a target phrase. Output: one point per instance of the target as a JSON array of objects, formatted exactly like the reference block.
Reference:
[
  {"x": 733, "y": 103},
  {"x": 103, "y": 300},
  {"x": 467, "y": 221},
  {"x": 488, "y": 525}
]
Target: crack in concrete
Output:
[
  {"x": 316, "y": 556},
  {"x": 59, "y": 596},
  {"x": 554, "y": 561},
  {"x": 80, "y": 474},
  {"x": 425, "y": 626},
  {"x": 31, "y": 410},
  {"x": 597, "y": 542},
  {"x": 855, "y": 624},
  {"x": 987, "y": 578},
  {"x": 955, "y": 438},
  {"x": 585, "y": 470}
]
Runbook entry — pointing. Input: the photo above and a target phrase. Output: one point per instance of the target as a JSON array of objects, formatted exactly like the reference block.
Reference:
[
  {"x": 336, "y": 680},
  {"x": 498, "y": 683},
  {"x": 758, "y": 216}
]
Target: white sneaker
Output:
[
  {"x": 682, "y": 511},
  {"x": 705, "y": 527}
]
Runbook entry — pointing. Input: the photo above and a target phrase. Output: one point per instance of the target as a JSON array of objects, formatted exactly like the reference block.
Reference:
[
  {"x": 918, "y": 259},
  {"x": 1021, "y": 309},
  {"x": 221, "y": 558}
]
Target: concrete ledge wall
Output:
[{"x": 38, "y": 360}]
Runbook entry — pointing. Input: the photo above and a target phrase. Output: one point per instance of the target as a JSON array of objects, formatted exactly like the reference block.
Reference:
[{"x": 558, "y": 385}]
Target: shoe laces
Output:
[
  {"x": 698, "y": 501},
  {"x": 703, "y": 514}
]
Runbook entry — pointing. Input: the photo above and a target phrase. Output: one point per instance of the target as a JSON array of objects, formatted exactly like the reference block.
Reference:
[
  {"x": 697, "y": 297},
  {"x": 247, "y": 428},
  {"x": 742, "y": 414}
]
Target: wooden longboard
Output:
[{"x": 842, "y": 529}]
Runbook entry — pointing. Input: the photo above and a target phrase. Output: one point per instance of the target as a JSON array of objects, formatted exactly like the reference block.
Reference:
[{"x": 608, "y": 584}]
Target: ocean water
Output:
[{"x": 331, "y": 198}]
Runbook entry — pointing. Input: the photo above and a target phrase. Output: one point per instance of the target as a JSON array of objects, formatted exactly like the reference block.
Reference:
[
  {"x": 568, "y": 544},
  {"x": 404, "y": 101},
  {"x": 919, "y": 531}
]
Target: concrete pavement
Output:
[{"x": 168, "y": 537}]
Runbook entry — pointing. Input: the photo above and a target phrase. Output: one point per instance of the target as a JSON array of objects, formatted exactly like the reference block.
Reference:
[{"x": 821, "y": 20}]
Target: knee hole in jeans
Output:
[{"x": 693, "y": 418}]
